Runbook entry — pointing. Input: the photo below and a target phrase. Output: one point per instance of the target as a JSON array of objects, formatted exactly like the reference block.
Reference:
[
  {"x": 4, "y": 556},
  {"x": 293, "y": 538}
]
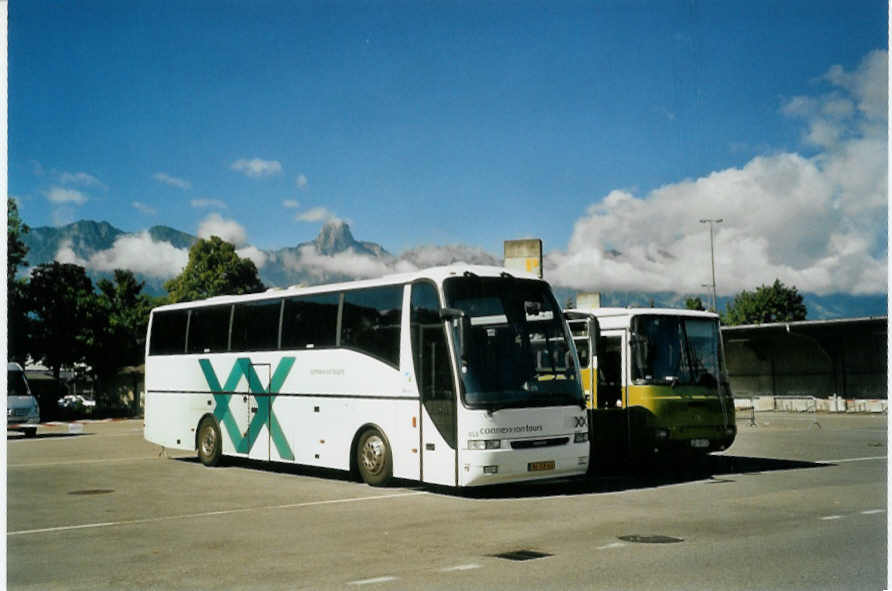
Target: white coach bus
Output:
[{"x": 459, "y": 376}]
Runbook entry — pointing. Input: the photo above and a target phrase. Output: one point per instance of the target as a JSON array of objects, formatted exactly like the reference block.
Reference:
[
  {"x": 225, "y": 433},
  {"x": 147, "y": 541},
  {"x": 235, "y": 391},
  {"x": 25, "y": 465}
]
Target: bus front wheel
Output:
[
  {"x": 210, "y": 445},
  {"x": 373, "y": 458}
]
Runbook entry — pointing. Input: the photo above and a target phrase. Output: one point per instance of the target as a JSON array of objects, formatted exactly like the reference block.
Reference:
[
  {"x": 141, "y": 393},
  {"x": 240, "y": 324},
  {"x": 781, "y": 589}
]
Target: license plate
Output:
[
  {"x": 699, "y": 442},
  {"x": 539, "y": 466}
]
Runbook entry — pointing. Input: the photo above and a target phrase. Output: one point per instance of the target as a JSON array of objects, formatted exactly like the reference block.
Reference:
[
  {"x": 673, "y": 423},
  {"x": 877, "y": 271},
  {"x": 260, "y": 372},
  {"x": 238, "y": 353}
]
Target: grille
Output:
[{"x": 536, "y": 443}]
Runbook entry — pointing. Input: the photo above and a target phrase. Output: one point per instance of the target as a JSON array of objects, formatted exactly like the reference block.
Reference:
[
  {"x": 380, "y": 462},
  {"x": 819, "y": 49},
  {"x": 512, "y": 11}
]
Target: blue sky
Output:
[{"x": 469, "y": 123}]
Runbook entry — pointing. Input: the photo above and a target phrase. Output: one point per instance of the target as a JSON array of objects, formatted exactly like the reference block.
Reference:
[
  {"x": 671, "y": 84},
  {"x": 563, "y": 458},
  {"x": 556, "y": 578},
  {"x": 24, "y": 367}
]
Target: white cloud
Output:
[
  {"x": 301, "y": 182},
  {"x": 434, "y": 256},
  {"x": 67, "y": 256},
  {"x": 290, "y": 204},
  {"x": 855, "y": 105},
  {"x": 255, "y": 254},
  {"x": 819, "y": 223},
  {"x": 142, "y": 207},
  {"x": 61, "y": 195},
  {"x": 136, "y": 252},
  {"x": 80, "y": 178},
  {"x": 163, "y": 177},
  {"x": 256, "y": 168},
  {"x": 316, "y": 214},
  {"x": 206, "y": 202},
  {"x": 347, "y": 263},
  {"x": 229, "y": 230}
]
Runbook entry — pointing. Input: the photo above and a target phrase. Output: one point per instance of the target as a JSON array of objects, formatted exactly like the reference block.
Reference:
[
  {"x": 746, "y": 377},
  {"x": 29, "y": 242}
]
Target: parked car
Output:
[
  {"x": 22, "y": 410},
  {"x": 76, "y": 401}
]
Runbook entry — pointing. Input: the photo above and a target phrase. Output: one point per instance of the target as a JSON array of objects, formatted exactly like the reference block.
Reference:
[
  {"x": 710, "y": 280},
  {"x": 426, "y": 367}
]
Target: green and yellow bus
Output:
[{"x": 655, "y": 382}]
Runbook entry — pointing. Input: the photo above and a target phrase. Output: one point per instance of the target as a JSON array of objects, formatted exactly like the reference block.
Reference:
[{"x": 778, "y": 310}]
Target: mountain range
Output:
[{"x": 336, "y": 255}]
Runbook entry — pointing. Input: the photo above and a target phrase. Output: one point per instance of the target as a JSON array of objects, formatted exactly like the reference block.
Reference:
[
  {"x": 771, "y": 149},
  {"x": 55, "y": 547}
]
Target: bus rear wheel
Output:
[
  {"x": 373, "y": 458},
  {"x": 210, "y": 444}
]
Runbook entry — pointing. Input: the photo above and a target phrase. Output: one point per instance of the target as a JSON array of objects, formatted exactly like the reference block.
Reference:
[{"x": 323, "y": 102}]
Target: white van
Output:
[{"x": 22, "y": 411}]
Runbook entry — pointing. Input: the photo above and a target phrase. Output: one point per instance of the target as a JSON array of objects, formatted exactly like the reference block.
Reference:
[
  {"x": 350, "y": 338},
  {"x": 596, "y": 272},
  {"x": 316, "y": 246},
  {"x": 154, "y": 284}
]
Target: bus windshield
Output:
[
  {"x": 675, "y": 350},
  {"x": 511, "y": 343}
]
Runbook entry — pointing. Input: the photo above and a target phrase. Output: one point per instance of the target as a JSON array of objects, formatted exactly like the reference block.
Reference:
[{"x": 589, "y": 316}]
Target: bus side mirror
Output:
[{"x": 453, "y": 314}]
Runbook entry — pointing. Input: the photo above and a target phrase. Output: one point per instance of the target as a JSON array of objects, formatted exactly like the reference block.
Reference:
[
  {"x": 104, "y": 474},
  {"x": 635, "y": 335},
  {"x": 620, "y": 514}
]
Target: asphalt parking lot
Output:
[{"x": 799, "y": 502}]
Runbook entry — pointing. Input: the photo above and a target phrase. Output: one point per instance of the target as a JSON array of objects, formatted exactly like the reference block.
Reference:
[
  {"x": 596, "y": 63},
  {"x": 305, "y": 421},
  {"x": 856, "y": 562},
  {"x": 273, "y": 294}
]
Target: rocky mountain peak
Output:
[{"x": 335, "y": 237}]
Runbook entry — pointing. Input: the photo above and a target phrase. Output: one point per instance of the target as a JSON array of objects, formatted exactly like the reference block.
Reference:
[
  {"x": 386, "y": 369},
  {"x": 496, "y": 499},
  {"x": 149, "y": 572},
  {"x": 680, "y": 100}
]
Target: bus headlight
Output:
[
  {"x": 580, "y": 437},
  {"x": 484, "y": 443}
]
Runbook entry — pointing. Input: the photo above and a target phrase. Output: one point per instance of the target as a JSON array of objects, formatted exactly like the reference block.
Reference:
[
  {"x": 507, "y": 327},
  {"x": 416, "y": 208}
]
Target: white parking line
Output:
[
  {"x": 613, "y": 545},
  {"x": 873, "y": 511},
  {"x": 209, "y": 514},
  {"x": 831, "y": 517},
  {"x": 460, "y": 567},
  {"x": 373, "y": 581},
  {"x": 69, "y": 463},
  {"x": 867, "y": 459}
]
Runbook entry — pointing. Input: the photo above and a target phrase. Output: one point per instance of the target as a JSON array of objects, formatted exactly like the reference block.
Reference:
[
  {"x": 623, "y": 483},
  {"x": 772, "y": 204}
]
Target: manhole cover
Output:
[
  {"x": 637, "y": 539},
  {"x": 522, "y": 555},
  {"x": 92, "y": 491}
]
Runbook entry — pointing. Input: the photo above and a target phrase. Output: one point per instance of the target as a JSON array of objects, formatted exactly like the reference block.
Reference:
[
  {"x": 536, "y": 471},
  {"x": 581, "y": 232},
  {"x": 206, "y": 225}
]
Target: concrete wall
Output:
[
  {"x": 810, "y": 404},
  {"x": 809, "y": 359}
]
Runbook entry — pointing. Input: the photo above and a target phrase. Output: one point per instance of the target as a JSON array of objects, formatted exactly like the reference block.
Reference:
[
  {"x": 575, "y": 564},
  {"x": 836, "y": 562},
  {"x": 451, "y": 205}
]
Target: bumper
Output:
[
  {"x": 697, "y": 439},
  {"x": 481, "y": 468}
]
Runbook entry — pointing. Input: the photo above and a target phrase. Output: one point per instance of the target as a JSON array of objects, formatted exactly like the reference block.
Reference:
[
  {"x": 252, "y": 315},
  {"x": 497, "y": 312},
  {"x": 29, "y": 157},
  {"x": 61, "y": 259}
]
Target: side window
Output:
[
  {"x": 430, "y": 355},
  {"x": 209, "y": 329},
  {"x": 310, "y": 321},
  {"x": 255, "y": 326},
  {"x": 370, "y": 322},
  {"x": 168, "y": 333}
]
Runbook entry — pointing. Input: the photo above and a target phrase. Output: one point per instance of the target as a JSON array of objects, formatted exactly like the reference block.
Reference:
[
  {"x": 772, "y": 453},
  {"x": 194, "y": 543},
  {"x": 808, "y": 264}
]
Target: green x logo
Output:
[{"x": 265, "y": 415}]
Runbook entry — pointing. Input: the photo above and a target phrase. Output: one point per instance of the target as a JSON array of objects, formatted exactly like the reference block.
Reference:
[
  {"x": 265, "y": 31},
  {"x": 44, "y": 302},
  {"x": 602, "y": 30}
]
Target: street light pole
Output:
[{"x": 711, "y": 222}]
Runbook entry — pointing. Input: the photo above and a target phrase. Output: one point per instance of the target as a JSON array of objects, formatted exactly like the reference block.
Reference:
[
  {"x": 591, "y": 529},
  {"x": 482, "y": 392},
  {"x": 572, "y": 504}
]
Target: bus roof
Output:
[
  {"x": 437, "y": 274},
  {"x": 613, "y": 318},
  {"x": 606, "y": 312}
]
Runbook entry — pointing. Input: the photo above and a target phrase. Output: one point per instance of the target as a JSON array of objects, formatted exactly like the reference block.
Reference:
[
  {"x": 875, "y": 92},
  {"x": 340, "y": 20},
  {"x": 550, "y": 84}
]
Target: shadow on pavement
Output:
[
  {"x": 283, "y": 468},
  {"x": 11, "y": 436},
  {"x": 710, "y": 469}
]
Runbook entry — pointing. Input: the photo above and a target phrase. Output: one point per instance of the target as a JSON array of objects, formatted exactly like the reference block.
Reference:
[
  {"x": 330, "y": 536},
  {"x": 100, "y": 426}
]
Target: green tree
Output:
[
  {"x": 15, "y": 245},
  {"x": 64, "y": 309},
  {"x": 775, "y": 303},
  {"x": 17, "y": 320},
  {"x": 694, "y": 303},
  {"x": 213, "y": 269},
  {"x": 117, "y": 336}
]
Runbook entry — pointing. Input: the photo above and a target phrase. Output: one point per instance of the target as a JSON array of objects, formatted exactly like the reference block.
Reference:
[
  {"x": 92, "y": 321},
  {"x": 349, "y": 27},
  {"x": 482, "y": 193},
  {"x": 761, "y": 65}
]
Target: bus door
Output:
[
  {"x": 433, "y": 373},
  {"x": 586, "y": 334},
  {"x": 256, "y": 437},
  {"x": 610, "y": 421}
]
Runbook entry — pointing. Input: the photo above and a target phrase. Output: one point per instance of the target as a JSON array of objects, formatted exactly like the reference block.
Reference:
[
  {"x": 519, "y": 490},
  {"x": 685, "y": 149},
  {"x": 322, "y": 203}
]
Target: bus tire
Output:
[
  {"x": 31, "y": 432},
  {"x": 209, "y": 443},
  {"x": 373, "y": 458}
]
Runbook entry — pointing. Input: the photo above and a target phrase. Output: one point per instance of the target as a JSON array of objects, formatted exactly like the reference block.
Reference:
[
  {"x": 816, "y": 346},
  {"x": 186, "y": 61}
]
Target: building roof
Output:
[{"x": 835, "y": 322}]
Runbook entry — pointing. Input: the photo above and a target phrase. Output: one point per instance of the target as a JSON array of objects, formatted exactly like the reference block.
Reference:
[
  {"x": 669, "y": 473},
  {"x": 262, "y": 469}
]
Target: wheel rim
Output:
[
  {"x": 373, "y": 454},
  {"x": 208, "y": 441}
]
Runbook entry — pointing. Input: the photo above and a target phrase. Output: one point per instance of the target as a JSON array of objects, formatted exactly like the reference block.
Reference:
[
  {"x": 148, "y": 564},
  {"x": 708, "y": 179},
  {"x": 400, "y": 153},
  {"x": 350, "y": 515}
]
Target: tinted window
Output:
[
  {"x": 371, "y": 322},
  {"x": 310, "y": 321},
  {"x": 16, "y": 384},
  {"x": 209, "y": 329},
  {"x": 168, "y": 333},
  {"x": 255, "y": 326}
]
